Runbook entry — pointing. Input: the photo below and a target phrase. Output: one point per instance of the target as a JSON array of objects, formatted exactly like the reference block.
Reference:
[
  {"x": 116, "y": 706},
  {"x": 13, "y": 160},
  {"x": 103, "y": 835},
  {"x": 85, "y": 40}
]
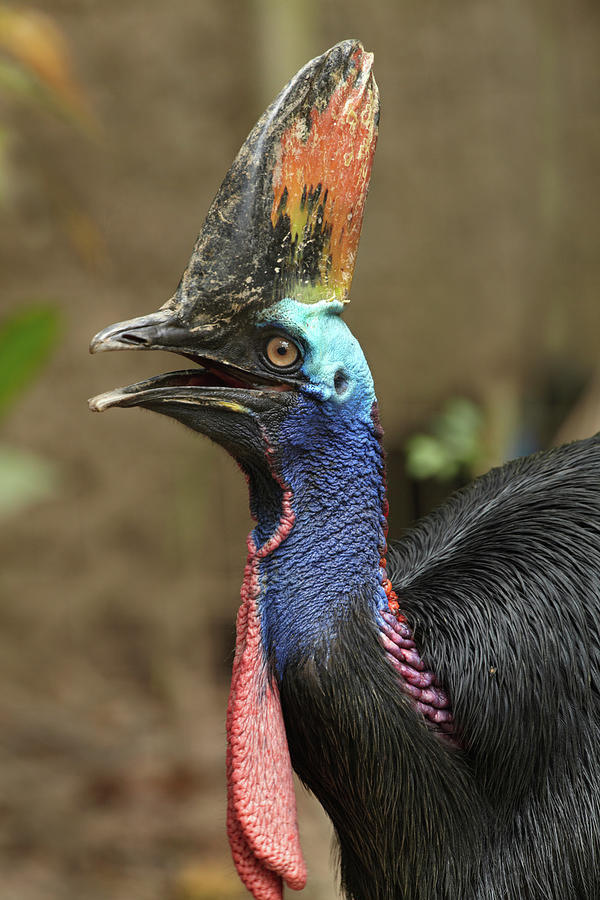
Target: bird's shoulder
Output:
[
  {"x": 537, "y": 516},
  {"x": 501, "y": 587}
]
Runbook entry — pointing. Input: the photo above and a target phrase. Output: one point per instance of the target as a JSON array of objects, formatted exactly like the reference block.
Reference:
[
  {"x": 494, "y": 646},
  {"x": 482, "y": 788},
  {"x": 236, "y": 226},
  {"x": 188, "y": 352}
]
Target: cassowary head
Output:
[
  {"x": 258, "y": 307},
  {"x": 280, "y": 382}
]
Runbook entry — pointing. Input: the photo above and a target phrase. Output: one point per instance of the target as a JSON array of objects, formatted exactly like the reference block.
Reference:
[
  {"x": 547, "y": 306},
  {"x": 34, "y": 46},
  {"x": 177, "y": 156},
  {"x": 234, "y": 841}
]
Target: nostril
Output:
[
  {"x": 132, "y": 337},
  {"x": 340, "y": 382}
]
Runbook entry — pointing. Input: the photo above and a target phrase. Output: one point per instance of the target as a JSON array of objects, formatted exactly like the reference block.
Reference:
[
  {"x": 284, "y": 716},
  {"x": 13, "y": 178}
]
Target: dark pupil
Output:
[{"x": 283, "y": 347}]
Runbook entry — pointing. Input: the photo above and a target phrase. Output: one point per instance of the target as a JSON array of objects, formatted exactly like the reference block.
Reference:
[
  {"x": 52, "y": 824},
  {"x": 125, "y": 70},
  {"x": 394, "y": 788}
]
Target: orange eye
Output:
[{"x": 281, "y": 352}]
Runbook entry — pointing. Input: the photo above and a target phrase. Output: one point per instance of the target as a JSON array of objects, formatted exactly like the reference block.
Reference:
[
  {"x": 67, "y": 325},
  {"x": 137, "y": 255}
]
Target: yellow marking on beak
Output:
[{"x": 233, "y": 406}]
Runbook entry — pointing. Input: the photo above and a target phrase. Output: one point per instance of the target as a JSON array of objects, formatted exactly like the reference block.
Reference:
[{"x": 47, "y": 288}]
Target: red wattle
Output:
[{"x": 261, "y": 804}]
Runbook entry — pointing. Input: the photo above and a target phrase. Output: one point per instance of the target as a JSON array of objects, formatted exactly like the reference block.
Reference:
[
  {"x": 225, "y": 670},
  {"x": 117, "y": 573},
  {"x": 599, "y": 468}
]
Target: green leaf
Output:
[
  {"x": 455, "y": 444},
  {"x": 427, "y": 457},
  {"x": 26, "y": 339},
  {"x": 14, "y": 80},
  {"x": 24, "y": 479},
  {"x": 458, "y": 427}
]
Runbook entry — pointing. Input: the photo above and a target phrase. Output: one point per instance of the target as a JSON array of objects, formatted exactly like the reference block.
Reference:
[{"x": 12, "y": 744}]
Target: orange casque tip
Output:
[{"x": 321, "y": 178}]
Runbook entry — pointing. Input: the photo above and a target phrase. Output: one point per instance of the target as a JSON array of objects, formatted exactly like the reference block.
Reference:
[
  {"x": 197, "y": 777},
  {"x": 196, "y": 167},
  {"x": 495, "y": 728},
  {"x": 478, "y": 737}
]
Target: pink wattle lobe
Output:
[{"x": 261, "y": 804}]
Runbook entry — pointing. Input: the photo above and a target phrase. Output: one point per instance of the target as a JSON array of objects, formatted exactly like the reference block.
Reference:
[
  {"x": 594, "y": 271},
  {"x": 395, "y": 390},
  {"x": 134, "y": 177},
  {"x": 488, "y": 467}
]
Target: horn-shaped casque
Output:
[{"x": 286, "y": 220}]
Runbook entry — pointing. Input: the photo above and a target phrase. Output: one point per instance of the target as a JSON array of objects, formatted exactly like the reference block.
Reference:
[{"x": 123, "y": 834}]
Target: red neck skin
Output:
[
  {"x": 261, "y": 819},
  {"x": 261, "y": 805},
  {"x": 421, "y": 685},
  {"x": 415, "y": 680}
]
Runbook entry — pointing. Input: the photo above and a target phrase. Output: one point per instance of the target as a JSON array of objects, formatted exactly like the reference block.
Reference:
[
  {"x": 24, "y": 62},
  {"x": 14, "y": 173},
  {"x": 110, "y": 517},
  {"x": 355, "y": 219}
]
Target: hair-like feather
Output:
[{"x": 502, "y": 589}]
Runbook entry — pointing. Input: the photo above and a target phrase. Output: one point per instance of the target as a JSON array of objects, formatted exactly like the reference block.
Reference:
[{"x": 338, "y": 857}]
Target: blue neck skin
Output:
[{"x": 330, "y": 456}]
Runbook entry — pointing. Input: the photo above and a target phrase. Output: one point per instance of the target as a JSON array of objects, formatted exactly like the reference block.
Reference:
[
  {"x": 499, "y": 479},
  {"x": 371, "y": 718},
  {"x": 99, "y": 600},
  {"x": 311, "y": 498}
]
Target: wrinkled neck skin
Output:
[
  {"x": 317, "y": 494},
  {"x": 329, "y": 472}
]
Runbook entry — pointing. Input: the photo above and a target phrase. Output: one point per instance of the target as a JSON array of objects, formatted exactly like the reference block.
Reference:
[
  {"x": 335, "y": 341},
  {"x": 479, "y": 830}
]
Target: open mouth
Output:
[{"x": 211, "y": 382}]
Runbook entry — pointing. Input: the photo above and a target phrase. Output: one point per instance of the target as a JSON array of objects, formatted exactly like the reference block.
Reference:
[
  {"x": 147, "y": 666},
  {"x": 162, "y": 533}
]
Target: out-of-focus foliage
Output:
[
  {"x": 35, "y": 66},
  {"x": 453, "y": 446},
  {"x": 36, "y": 69},
  {"x": 24, "y": 479},
  {"x": 37, "y": 63},
  {"x": 26, "y": 340}
]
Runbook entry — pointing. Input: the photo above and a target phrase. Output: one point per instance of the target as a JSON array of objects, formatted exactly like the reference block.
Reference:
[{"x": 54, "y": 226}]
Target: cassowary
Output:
[{"x": 440, "y": 698}]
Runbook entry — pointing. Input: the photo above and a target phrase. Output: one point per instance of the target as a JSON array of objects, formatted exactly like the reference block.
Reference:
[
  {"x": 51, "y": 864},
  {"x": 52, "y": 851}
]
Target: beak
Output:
[
  {"x": 215, "y": 381},
  {"x": 142, "y": 333},
  {"x": 160, "y": 330}
]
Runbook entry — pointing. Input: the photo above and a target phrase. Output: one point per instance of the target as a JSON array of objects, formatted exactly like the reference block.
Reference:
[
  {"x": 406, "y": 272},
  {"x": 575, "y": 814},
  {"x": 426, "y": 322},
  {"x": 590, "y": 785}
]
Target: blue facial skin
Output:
[{"x": 329, "y": 454}]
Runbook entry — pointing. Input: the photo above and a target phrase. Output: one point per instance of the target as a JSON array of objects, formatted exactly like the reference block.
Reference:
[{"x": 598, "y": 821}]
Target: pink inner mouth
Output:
[{"x": 222, "y": 377}]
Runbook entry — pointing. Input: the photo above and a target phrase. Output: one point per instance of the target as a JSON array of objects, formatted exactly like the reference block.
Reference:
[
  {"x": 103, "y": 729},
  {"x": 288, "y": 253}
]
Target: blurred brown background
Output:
[{"x": 477, "y": 278}]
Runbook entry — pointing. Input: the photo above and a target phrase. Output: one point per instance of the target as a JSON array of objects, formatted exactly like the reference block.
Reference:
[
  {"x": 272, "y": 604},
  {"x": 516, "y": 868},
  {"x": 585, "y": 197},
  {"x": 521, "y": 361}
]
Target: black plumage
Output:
[{"x": 502, "y": 589}]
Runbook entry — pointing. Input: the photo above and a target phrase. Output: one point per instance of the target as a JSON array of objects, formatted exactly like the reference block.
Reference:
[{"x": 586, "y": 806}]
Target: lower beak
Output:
[
  {"x": 191, "y": 388},
  {"x": 172, "y": 387}
]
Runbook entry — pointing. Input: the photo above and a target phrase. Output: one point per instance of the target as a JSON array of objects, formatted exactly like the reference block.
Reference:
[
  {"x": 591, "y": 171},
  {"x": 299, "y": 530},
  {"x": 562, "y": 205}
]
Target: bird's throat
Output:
[
  {"x": 321, "y": 535},
  {"x": 318, "y": 542},
  {"x": 334, "y": 490}
]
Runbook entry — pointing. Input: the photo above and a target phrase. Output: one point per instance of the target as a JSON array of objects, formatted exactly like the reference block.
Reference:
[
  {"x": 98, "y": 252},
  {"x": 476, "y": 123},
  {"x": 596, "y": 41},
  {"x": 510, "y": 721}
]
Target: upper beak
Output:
[{"x": 157, "y": 331}]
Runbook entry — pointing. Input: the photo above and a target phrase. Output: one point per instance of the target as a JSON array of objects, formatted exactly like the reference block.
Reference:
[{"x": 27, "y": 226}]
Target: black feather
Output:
[{"x": 502, "y": 589}]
